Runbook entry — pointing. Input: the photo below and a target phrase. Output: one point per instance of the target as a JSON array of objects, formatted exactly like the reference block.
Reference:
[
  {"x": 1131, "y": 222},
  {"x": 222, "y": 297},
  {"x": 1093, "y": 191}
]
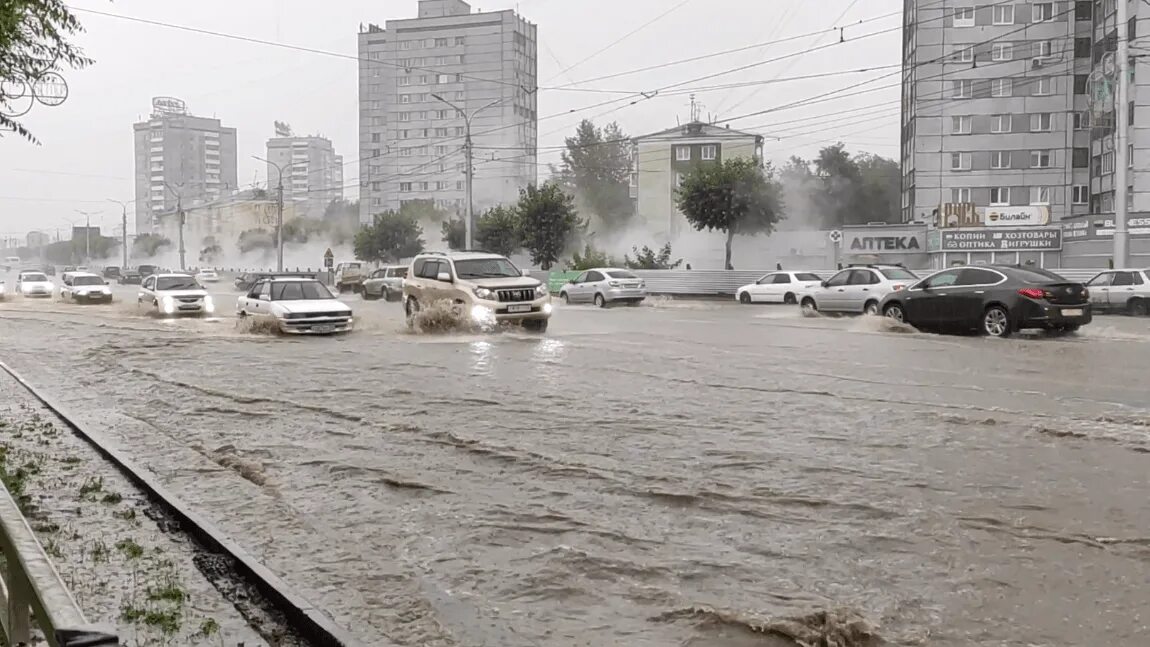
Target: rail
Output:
[{"x": 32, "y": 589}]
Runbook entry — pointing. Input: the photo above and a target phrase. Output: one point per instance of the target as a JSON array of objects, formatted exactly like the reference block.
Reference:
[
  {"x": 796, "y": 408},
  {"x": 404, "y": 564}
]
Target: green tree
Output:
[
  {"x": 649, "y": 259},
  {"x": 498, "y": 231},
  {"x": 590, "y": 258},
  {"x": 548, "y": 218},
  {"x": 149, "y": 245},
  {"x": 597, "y": 167},
  {"x": 737, "y": 197},
  {"x": 880, "y": 189},
  {"x": 389, "y": 238},
  {"x": 454, "y": 234},
  {"x": 256, "y": 239},
  {"x": 33, "y": 43}
]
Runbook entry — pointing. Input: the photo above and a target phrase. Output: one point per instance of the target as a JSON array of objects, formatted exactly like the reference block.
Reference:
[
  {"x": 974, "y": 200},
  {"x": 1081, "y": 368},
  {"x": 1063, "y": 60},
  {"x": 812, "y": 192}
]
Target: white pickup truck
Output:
[{"x": 296, "y": 305}]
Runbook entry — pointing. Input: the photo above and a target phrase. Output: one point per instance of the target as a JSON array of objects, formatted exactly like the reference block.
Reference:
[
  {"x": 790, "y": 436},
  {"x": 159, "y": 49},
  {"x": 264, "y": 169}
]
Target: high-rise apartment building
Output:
[
  {"x": 995, "y": 105},
  {"x": 180, "y": 153},
  {"x": 312, "y": 172},
  {"x": 419, "y": 77}
]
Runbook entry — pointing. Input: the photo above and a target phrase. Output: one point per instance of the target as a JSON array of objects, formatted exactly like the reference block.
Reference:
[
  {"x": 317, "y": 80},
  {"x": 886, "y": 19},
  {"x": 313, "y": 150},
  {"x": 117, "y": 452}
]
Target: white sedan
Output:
[
  {"x": 34, "y": 284},
  {"x": 778, "y": 287},
  {"x": 174, "y": 294},
  {"x": 296, "y": 305},
  {"x": 207, "y": 276}
]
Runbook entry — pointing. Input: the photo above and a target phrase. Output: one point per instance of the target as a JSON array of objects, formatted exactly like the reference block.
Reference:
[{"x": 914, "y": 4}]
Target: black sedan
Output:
[
  {"x": 994, "y": 299},
  {"x": 130, "y": 277}
]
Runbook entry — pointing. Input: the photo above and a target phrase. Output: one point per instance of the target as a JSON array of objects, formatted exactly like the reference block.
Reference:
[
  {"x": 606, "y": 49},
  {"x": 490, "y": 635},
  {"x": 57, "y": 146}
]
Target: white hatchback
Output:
[
  {"x": 174, "y": 294},
  {"x": 857, "y": 289},
  {"x": 778, "y": 287}
]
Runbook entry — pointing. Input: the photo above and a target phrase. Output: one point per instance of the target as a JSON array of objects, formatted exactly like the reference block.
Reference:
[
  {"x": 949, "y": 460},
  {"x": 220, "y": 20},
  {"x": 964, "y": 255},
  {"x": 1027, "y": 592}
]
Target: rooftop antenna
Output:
[{"x": 696, "y": 109}]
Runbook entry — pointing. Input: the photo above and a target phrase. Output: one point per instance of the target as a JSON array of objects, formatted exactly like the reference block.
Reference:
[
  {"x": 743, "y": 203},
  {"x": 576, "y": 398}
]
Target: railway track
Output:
[{"x": 280, "y": 614}]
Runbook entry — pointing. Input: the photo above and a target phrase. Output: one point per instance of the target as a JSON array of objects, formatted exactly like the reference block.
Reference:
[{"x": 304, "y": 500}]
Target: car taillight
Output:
[
  {"x": 1032, "y": 293},
  {"x": 899, "y": 287}
]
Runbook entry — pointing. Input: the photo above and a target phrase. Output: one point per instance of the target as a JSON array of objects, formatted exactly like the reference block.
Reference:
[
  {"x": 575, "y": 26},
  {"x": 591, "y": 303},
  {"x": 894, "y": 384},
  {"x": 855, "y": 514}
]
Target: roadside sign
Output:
[
  {"x": 328, "y": 259},
  {"x": 836, "y": 236}
]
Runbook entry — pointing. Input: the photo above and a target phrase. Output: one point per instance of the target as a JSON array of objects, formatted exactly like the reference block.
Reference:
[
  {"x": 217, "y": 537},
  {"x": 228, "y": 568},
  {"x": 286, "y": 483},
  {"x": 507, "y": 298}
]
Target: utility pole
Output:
[
  {"x": 179, "y": 214},
  {"x": 1121, "y": 140},
  {"x": 469, "y": 170},
  {"x": 88, "y": 233},
  {"x": 279, "y": 208},
  {"x": 124, "y": 224}
]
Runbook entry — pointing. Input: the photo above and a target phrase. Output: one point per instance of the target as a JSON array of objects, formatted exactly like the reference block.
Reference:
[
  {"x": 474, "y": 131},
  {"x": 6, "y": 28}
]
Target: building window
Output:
[
  {"x": 1130, "y": 156},
  {"x": 1040, "y": 159},
  {"x": 405, "y": 187},
  {"x": 440, "y": 150},
  {"x": 960, "y": 195},
  {"x": 1041, "y": 122},
  {"x": 405, "y": 116},
  {"x": 459, "y": 131},
  {"x": 1000, "y": 159},
  {"x": 1080, "y": 83},
  {"x": 960, "y": 161},
  {"x": 375, "y": 186},
  {"x": 1107, "y": 163},
  {"x": 460, "y": 40},
  {"x": 1080, "y": 193},
  {"x": 1039, "y": 195},
  {"x": 459, "y": 185},
  {"x": 1043, "y": 86},
  {"x": 1000, "y": 123},
  {"x": 682, "y": 153},
  {"x": 405, "y": 152},
  {"x": 964, "y": 16},
  {"x": 1083, "y": 10},
  {"x": 375, "y": 202},
  {"x": 1003, "y": 15},
  {"x": 960, "y": 125},
  {"x": 375, "y": 152},
  {"x": 960, "y": 89},
  {"x": 404, "y": 80},
  {"x": 1081, "y": 158},
  {"x": 441, "y": 42},
  {"x": 440, "y": 114},
  {"x": 962, "y": 53},
  {"x": 1043, "y": 48},
  {"x": 1042, "y": 12},
  {"x": 1082, "y": 47},
  {"x": 405, "y": 98},
  {"x": 1002, "y": 52},
  {"x": 375, "y": 138},
  {"x": 460, "y": 95},
  {"x": 1081, "y": 120},
  {"x": 1000, "y": 196},
  {"x": 710, "y": 152},
  {"x": 1001, "y": 87},
  {"x": 441, "y": 132}
]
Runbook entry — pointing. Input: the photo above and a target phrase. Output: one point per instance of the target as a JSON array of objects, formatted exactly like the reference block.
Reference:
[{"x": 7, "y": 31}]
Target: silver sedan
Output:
[{"x": 602, "y": 286}]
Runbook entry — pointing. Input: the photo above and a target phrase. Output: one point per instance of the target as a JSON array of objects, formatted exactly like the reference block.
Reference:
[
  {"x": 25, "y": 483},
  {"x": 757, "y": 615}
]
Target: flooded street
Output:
[{"x": 683, "y": 473}]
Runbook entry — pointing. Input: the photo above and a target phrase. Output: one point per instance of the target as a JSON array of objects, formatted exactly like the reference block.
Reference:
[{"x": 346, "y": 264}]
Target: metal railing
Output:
[{"x": 31, "y": 589}]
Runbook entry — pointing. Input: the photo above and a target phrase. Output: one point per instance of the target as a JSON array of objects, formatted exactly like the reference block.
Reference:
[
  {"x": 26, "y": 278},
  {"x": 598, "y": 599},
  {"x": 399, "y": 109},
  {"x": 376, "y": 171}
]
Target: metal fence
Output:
[{"x": 31, "y": 588}]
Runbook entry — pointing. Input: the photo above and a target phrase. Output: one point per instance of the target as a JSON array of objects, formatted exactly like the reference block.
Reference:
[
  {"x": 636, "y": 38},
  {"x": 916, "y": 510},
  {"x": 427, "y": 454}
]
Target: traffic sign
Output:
[
  {"x": 836, "y": 236},
  {"x": 328, "y": 259}
]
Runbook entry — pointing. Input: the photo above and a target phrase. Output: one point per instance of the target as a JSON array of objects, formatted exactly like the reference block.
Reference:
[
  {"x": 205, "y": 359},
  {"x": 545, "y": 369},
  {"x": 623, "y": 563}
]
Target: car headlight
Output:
[
  {"x": 209, "y": 304},
  {"x": 483, "y": 293},
  {"x": 542, "y": 290},
  {"x": 169, "y": 305}
]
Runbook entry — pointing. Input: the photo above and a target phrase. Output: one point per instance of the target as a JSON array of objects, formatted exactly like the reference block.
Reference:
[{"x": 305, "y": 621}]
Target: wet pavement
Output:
[{"x": 674, "y": 474}]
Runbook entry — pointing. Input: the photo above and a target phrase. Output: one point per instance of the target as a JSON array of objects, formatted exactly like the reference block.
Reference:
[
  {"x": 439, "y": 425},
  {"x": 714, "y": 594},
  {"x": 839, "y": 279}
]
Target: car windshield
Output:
[
  {"x": 299, "y": 291},
  {"x": 619, "y": 274},
  {"x": 807, "y": 276},
  {"x": 32, "y": 278},
  {"x": 177, "y": 283},
  {"x": 898, "y": 274},
  {"x": 486, "y": 268},
  {"x": 87, "y": 280}
]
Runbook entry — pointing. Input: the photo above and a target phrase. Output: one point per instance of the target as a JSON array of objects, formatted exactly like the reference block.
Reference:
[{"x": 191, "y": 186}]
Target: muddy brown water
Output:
[{"x": 681, "y": 474}]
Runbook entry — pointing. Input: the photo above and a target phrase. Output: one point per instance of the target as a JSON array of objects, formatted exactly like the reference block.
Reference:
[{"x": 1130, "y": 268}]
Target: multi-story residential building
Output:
[
  {"x": 419, "y": 78},
  {"x": 995, "y": 109},
  {"x": 312, "y": 172},
  {"x": 663, "y": 158},
  {"x": 180, "y": 153}
]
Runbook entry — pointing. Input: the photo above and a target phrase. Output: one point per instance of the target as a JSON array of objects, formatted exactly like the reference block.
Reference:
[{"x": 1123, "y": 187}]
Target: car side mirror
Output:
[
  {"x": 264, "y": 297},
  {"x": 443, "y": 277},
  {"x": 826, "y": 284},
  {"x": 525, "y": 272}
]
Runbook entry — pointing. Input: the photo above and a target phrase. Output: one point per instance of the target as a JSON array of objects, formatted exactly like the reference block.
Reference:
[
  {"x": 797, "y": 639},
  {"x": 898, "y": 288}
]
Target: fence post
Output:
[{"x": 19, "y": 613}]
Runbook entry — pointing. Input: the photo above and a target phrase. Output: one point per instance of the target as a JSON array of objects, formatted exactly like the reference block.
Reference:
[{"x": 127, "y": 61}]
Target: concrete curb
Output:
[{"x": 306, "y": 618}]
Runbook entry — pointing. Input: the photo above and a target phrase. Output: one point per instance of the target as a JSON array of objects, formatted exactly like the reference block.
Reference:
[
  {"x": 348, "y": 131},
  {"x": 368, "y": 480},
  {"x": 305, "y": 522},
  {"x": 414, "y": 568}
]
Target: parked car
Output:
[
  {"x": 603, "y": 286},
  {"x": 297, "y": 306},
  {"x": 130, "y": 277},
  {"x": 349, "y": 277},
  {"x": 85, "y": 287},
  {"x": 487, "y": 287},
  {"x": 111, "y": 272},
  {"x": 1121, "y": 291},
  {"x": 174, "y": 294},
  {"x": 778, "y": 287},
  {"x": 857, "y": 289},
  {"x": 385, "y": 283},
  {"x": 147, "y": 270},
  {"x": 11, "y": 262},
  {"x": 994, "y": 299},
  {"x": 34, "y": 284},
  {"x": 50, "y": 270},
  {"x": 207, "y": 276}
]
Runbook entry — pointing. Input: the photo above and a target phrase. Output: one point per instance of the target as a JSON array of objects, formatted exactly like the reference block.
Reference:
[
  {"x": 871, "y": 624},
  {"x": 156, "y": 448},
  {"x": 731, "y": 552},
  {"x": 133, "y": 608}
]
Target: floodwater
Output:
[{"x": 699, "y": 474}]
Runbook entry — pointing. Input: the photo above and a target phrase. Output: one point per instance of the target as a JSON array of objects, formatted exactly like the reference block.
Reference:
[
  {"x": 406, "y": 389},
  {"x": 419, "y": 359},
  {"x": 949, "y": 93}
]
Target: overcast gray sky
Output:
[{"x": 85, "y": 154}]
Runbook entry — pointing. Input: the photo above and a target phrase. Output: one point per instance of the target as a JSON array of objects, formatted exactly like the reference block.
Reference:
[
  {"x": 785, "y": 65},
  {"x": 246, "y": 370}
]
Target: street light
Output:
[
  {"x": 279, "y": 208},
  {"x": 88, "y": 233},
  {"x": 467, "y": 153},
  {"x": 124, "y": 224}
]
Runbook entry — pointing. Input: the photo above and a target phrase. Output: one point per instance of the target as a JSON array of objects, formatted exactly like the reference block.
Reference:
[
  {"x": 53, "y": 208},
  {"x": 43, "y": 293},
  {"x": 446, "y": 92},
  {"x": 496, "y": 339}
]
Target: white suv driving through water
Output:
[
  {"x": 486, "y": 287},
  {"x": 857, "y": 289}
]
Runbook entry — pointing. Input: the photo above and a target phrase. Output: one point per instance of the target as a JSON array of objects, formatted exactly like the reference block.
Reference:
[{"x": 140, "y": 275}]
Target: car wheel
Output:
[
  {"x": 894, "y": 311},
  {"x": 536, "y": 325},
  {"x": 411, "y": 307},
  {"x": 384, "y": 294},
  {"x": 566, "y": 299},
  {"x": 871, "y": 308},
  {"x": 744, "y": 298},
  {"x": 600, "y": 301},
  {"x": 809, "y": 304},
  {"x": 789, "y": 299},
  {"x": 996, "y": 322},
  {"x": 1137, "y": 307}
]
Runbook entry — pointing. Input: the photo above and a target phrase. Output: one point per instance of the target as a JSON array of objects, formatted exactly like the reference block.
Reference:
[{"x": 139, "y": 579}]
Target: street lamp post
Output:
[
  {"x": 469, "y": 171},
  {"x": 279, "y": 208},
  {"x": 88, "y": 233},
  {"x": 179, "y": 214},
  {"x": 124, "y": 224}
]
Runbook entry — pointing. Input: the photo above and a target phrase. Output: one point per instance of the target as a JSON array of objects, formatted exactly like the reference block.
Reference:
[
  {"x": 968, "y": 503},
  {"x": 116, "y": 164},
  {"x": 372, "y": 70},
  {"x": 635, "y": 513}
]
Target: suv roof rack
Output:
[{"x": 876, "y": 265}]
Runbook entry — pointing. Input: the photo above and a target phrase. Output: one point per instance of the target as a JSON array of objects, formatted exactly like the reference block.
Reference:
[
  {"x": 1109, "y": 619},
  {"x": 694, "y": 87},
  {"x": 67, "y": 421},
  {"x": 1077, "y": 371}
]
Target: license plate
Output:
[
  {"x": 525, "y": 308},
  {"x": 1073, "y": 312},
  {"x": 325, "y": 328}
]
